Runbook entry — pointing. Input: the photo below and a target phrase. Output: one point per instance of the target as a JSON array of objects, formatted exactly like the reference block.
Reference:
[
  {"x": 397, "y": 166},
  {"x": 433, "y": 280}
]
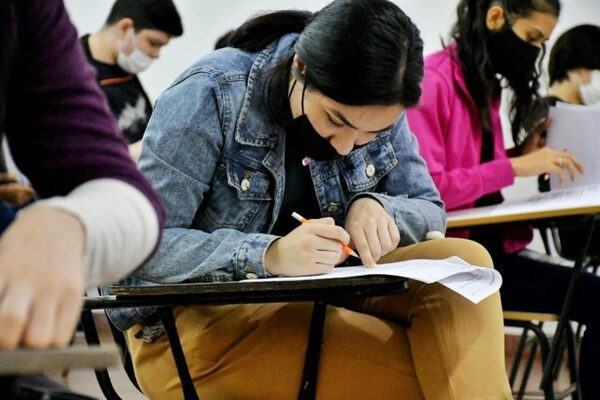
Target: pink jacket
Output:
[{"x": 446, "y": 124}]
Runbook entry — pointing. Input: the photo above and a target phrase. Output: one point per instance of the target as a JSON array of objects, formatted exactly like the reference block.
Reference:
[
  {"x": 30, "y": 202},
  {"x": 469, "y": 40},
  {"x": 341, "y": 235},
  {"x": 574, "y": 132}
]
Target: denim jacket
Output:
[{"x": 215, "y": 155}]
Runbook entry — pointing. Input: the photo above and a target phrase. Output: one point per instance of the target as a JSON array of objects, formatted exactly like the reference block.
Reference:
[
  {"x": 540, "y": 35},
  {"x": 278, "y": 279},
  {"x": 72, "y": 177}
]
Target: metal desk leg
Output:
[
  {"x": 308, "y": 386},
  {"x": 547, "y": 379},
  {"x": 187, "y": 384},
  {"x": 91, "y": 337}
]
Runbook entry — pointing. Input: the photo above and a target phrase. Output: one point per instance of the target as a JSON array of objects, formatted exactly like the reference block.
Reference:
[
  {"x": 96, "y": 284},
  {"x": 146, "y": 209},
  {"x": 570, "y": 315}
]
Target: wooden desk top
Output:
[
  {"x": 584, "y": 200},
  {"x": 248, "y": 292},
  {"x": 456, "y": 220}
]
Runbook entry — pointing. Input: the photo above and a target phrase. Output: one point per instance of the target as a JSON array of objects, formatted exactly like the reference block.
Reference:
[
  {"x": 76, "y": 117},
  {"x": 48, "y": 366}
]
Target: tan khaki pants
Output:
[{"x": 424, "y": 343}]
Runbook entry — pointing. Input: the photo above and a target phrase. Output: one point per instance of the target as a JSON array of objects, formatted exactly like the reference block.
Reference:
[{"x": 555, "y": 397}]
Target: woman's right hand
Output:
[
  {"x": 547, "y": 161},
  {"x": 310, "y": 249}
]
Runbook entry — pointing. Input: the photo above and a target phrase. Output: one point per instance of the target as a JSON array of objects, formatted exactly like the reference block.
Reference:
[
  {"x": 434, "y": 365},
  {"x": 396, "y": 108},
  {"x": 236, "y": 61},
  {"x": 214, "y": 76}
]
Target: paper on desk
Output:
[
  {"x": 472, "y": 282},
  {"x": 562, "y": 199},
  {"x": 576, "y": 128}
]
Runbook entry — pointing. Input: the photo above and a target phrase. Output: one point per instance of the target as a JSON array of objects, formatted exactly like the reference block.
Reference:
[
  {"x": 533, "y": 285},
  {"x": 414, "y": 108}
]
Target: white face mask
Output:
[
  {"x": 590, "y": 92},
  {"x": 135, "y": 62}
]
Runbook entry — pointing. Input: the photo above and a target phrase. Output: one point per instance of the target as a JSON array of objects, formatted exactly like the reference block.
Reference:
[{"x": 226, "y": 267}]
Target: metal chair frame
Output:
[{"x": 555, "y": 351}]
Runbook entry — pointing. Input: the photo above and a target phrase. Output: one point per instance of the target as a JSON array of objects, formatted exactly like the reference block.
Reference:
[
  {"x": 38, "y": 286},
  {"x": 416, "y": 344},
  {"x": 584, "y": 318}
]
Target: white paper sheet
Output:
[
  {"x": 577, "y": 129},
  {"x": 472, "y": 282}
]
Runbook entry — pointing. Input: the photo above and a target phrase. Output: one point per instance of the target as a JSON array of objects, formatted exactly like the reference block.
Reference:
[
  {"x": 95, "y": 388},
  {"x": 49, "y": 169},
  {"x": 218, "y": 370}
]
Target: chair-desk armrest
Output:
[{"x": 247, "y": 292}]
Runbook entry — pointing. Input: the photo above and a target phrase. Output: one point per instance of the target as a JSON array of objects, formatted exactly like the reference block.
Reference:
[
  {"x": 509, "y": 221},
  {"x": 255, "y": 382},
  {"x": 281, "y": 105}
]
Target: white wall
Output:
[{"x": 205, "y": 20}]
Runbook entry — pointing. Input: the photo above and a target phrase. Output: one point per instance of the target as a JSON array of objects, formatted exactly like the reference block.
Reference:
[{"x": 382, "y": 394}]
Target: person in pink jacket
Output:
[{"x": 457, "y": 124}]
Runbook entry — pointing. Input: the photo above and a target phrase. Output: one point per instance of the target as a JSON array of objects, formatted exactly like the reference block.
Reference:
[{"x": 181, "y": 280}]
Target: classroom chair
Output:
[{"x": 533, "y": 322}]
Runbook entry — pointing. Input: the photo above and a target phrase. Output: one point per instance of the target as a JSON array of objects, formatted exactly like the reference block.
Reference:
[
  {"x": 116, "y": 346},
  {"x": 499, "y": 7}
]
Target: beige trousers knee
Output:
[{"x": 424, "y": 343}]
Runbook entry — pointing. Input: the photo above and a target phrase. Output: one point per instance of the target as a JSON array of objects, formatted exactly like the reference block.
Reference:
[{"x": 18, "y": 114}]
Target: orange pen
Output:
[{"x": 345, "y": 248}]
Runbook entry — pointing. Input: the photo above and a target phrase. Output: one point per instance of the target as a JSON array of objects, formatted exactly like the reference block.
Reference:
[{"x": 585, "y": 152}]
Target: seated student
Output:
[
  {"x": 574, "y": 71},
  {"x": 574, "y": 66},
  {"x": 102, "y": 219},
  {"x": 132, "y": 37},
  {"x": 458, "y": 127},
  {"x": 305, "y": 113}
]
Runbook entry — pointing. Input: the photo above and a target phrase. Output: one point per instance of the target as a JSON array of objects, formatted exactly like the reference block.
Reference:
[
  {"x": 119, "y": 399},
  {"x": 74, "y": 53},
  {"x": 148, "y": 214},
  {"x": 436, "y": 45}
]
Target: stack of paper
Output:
[
  {"x": 472, "y": 282},
  {"x": 577, "y": 129}
]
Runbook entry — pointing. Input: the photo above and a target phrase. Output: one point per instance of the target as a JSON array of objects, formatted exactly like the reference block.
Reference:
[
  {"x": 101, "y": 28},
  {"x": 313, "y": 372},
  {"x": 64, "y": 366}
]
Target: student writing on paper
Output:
[
  {"x": 574, "y": 72},
  {"x": 305, "y": 112},
  {"x": 458, "y": 127}
]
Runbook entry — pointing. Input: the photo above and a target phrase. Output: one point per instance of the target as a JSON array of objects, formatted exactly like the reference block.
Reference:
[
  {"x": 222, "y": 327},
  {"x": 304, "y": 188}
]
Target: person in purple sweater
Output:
[{"x": 97, "y": 218}]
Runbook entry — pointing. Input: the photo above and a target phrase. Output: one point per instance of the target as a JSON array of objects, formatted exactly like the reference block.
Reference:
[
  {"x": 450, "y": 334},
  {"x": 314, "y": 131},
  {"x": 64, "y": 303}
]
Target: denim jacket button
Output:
[
  {"x": 245, "y": 184},
  {"x": 332, "y": 207},
  {"x": 251, "y": 275},
  {"x": 370, "y": 170}
]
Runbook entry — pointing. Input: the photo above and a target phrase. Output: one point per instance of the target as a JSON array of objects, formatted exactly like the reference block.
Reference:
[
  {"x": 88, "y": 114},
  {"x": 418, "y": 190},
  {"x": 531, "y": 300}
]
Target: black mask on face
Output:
[
  {"x": 511, "y": 56},
  {"x": 312, "y": 144}
]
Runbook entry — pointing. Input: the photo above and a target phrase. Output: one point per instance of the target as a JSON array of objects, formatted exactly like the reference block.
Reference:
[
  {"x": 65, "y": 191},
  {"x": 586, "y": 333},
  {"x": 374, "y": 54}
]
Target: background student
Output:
[
  {"x": 101, "y": 218},
  {"x": 305, "y": 113},
  {"x": 458, "y": 127},
  {"x": 574, "y": 72},
  {"x": 574, "y": 67},
  {"x": 132, "y": 37}
]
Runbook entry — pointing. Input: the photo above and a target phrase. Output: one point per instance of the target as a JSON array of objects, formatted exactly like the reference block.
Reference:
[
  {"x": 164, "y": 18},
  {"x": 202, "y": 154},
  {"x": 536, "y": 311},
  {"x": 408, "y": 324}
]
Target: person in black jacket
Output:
[{"x": 132, "y": 37}]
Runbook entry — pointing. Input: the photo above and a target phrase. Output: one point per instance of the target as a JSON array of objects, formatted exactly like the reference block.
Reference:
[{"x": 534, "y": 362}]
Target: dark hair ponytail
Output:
[
  {"x": 262, "y": 30},
  {"x": 357, "y": 52},
  {"x": 470, "y": 33}
]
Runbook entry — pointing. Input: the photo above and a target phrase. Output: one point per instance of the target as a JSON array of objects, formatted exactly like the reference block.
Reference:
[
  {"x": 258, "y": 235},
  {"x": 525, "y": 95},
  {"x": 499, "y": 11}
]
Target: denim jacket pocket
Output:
[
  {"x": 249, "y": 182},
  {"x": 246, "y": 187},
  {"x": 364, "y": 168}
]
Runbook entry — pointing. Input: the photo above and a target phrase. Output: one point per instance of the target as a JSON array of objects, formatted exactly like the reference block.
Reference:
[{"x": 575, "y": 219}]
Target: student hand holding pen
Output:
[
  {"x": 314, "y": 247},
  {"x": 310, "y": 249}
]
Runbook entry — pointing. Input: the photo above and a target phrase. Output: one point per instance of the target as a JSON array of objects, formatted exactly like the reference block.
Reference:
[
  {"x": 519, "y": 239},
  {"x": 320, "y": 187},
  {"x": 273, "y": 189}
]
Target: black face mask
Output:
[
  {"x": 312, "y": 144},
  {"x": 511, "y": 56}
]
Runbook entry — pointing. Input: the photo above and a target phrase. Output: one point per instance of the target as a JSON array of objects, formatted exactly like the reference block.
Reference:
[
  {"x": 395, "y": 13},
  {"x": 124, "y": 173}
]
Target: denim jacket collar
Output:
[{"x": 261, "y": 132}]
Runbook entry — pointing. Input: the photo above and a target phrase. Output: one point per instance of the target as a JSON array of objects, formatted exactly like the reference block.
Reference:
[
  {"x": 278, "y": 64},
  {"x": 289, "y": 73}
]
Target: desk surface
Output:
[
  {"x": 240, "y": 293},
  {"x": 30, "y": 361},
  {"x": 583, "y": 200},
  {"x": 456, "y": 220}
]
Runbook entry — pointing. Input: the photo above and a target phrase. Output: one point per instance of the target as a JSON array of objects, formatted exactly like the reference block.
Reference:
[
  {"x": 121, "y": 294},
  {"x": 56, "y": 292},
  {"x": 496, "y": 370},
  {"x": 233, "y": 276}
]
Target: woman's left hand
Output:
[{"x": 372, "y": 230}]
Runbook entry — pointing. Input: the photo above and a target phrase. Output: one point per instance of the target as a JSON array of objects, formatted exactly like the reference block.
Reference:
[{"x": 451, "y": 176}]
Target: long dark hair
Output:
[
  {"x": 470, "y": 33},
  {"x": 357, "y": 52}
]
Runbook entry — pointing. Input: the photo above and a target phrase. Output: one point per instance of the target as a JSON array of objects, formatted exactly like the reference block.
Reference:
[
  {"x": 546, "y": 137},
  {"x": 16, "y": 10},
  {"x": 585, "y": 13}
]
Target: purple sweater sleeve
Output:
[{"x": 58, "y": 125}]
